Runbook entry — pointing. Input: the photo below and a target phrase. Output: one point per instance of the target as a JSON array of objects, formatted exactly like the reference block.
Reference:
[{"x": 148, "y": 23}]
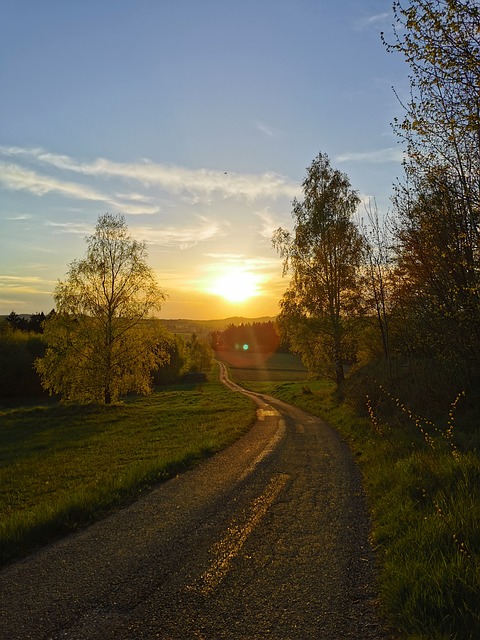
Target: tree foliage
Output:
[
  {"x": 440, "y": 41},
  {"x": 323, "y": 254},
  {"x": 199, "y": 356},
  {"x": 31, "y": 323},
  {"x": 171, "y": 371},
  {"x": 377, "y": 274},
  {"x": 100, "y": 345},
  {"x": 438, "y": 205}
]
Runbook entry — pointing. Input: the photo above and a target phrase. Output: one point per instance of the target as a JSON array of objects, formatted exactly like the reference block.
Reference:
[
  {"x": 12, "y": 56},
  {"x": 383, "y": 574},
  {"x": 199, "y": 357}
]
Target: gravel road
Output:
[{"x": 268, "y": 539}]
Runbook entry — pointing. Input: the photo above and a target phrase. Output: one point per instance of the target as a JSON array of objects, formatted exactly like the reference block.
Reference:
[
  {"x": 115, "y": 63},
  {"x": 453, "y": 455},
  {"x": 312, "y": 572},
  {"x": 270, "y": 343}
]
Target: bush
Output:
[
  {"x": 424, "y": 384},
  {"x": 18, "y": 352}
]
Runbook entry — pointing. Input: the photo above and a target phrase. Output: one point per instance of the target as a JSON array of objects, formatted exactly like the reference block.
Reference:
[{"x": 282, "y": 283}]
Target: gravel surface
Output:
[{"x": 268, "y": 539}]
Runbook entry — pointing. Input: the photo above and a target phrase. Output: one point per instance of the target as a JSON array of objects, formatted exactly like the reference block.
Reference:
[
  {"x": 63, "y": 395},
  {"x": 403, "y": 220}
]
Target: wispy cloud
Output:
[
  {"x": 18, "y": 178},
  {"x": 6, "y": 279},
  {"x": 263, "y": 266},
  {"x": 266, "y": 129},
  {"x": 174, "y": 179},
  {"x": 180, "y": 237},
  {"x": 226, "y": 257},
  {"x": 268, "y": 224},
  {"x": 18, "y": 218},
  {"x": 24, "y": 284},
  {"x": 391, "y": 154},
  {"x": 372, "y": 21},
  {"x": 75, "y": 228}
]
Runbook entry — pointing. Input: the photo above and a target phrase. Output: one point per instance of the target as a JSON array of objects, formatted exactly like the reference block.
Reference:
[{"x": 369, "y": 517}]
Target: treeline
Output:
[
  {"x": 32, "y": 323},
  {"x": 256, "y": 337},
  {"x": 187, "y": 360},
  {"x": 22, "y": 344},
  {"x": 431, "y": 274}
]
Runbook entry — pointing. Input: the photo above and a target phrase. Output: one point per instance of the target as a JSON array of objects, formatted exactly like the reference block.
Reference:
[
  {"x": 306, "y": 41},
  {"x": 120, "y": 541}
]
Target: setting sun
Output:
[{"x": 236, "y": 285}]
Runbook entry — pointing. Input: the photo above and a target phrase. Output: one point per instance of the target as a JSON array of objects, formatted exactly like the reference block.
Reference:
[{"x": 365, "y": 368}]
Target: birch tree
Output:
[
  {"x": 323, "y": 254},
  {"x": 100, "y": 344}
]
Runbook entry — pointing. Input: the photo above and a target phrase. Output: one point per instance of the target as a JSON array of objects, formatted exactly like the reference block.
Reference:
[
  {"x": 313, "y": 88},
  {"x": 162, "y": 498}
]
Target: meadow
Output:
[
  {"x": 269, "y": 367},
  {"x": 63, "y": 466}
]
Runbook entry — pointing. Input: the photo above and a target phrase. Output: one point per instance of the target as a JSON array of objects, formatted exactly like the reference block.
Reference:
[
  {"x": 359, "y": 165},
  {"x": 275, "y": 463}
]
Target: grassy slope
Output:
[{"x": 61, "y": 467}]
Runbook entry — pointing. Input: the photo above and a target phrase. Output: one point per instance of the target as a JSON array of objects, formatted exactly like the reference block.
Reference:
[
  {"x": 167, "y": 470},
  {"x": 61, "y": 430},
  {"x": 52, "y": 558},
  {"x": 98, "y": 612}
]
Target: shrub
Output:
[{"x": 18, "y": 352}]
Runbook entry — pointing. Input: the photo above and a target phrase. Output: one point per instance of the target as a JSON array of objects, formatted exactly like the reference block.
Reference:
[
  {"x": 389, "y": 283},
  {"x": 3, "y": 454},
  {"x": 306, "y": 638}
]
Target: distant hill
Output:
[
  {"x": 206, "y": 326},
  {"x": 200, "y": 327}
]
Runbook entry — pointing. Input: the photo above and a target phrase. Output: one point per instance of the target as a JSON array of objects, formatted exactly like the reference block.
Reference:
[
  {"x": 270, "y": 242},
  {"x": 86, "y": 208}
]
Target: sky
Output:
[{"x": 196, "y": 120}]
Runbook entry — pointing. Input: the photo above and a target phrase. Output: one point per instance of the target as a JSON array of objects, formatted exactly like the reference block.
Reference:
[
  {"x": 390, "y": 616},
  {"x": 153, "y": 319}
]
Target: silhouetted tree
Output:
[
  {"x": 438, "y": 206},
  {"x": 323, "y": 254}
]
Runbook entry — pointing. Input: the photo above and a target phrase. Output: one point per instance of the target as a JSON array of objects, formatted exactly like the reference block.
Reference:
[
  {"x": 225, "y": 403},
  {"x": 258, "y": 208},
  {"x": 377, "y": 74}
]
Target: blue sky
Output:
[{"x": 196, "y": 119}]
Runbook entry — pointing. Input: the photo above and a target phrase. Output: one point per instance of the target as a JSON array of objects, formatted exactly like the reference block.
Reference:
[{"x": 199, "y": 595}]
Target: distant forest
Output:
[{"x": 256, "y": 337}]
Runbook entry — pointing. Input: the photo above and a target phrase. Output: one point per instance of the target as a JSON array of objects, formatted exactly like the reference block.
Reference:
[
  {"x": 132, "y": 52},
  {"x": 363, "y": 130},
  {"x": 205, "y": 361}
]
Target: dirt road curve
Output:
[{"x": 266, "y": 540}]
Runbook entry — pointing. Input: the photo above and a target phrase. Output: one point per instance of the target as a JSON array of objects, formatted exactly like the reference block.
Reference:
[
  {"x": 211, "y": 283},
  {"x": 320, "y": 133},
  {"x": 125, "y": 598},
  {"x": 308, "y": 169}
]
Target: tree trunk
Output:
[{"x": 339, "y": 372}]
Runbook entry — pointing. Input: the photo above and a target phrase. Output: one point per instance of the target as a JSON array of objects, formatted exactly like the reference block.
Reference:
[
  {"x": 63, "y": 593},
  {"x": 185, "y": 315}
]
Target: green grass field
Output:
[
  {"x": 61, "y": 467},
  {"x": 245, "y": 366}
]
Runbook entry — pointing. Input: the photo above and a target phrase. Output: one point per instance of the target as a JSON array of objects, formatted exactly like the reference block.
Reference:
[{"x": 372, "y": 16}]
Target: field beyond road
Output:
[
  {"x": 246, "y": 366},
  {"x": 64, "y": 466}
]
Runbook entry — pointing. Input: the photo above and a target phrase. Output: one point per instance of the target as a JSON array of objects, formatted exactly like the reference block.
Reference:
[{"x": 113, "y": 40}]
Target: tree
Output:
[
  {"x": 17, "y": 322},
  {"x": 440, "y": 41},
  {"x": 36, "y": 323},
  {"x": 100, "y": 344},
  {"x": 199, "y": 356},
  {"x": 378, "y": 258},
  {"x": 323, "y": 253},
  {"x": 258, "y": 337},
  {"x": 438, "y": 206},
  {"x": 440, "y": 273},
  {"x": 176, "y": 350}
]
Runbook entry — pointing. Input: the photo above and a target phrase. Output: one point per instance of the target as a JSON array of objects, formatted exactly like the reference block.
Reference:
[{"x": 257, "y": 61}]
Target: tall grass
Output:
[{"x": 61, "y": 467}]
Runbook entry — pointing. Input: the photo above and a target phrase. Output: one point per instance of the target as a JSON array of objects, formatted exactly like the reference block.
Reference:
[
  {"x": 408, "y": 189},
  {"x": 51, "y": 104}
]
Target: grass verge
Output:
[
  {"x": 424, "y": 493},
  {"x": 62, "y": 467}
]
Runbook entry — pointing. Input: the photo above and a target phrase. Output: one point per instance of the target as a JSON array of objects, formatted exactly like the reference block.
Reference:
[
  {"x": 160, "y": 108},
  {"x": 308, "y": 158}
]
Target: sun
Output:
[{"x": 236, "y": 285}]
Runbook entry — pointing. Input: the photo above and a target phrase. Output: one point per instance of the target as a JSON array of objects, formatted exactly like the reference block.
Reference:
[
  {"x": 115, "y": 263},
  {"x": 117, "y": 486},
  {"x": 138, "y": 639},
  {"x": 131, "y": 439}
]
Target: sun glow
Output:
[{"x": 236, "y": 285}]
